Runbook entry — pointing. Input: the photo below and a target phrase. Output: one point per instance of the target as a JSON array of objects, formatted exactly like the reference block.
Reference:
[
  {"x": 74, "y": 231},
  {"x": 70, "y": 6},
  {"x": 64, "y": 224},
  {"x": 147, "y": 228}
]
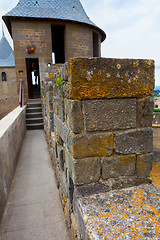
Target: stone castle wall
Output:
[
  {"x": 30, "y": 33},
  {"x": 8, "y": 91},
  {"x": 78, "y": 42},
  {"x": 102, "y": 122}
]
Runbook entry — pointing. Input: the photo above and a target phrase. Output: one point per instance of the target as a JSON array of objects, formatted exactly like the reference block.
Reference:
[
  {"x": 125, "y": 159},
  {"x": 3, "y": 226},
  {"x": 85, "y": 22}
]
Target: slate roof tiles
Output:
[
  {"x": 6, "y": 53},
  {"x": 70, "y": 10}
]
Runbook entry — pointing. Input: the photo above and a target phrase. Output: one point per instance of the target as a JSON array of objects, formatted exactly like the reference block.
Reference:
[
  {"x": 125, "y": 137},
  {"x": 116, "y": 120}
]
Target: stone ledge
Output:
[
  {"x": 131, "y": 213},
  {"x": 95, "y": 78},
  {"x": 8, "y": 120}
]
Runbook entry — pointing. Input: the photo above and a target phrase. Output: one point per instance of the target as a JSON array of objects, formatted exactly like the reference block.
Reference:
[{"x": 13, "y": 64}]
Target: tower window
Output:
[
  {"x": 4, "y": 78},
  {"x": 95, "y": 45},
  {"x": 58, "y": 44}
]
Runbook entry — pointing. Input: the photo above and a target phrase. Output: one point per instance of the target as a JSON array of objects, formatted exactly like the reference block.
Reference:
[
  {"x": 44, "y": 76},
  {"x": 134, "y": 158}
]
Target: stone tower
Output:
[{"x": 43, "y": 30}]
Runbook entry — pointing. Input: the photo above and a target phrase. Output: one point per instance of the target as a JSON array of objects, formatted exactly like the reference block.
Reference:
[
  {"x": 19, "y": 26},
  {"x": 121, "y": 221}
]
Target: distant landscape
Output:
[{"x": 156, "y": 92}]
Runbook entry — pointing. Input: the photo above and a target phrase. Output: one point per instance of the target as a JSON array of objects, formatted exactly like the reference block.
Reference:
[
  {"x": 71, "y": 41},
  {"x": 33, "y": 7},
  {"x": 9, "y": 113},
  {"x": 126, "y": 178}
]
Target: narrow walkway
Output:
[{"x": 33, "y": 210}]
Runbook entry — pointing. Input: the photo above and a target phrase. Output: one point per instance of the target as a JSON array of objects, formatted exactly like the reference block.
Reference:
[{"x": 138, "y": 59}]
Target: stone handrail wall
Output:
[
  {"x": 12, "y": 131},
  {"x": 103, "y": 134}
]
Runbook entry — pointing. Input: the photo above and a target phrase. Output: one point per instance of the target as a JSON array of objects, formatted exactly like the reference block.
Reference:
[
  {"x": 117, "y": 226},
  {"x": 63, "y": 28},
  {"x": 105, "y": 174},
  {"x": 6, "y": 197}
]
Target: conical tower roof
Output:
[
  {"x": 65, "y": 10},
  {"x": 6, "y": 53}
]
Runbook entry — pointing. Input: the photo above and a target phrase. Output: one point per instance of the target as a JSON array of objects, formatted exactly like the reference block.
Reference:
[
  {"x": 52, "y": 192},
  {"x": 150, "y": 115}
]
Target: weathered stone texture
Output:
[
  {"x": 12, "y": 131},
  {"x": 8, "y": 91},
  {"x": 131, "y": 213},
  {"x": 60, "y": 156},
  {"x": 144, "y": 112},
  {"x": 118, "y": 165},
  {"x": 61, "y": 129},
  {"x": 92, "y": 145},
  {"x": 86, "y": 170},
  {"x": 68, "y": 159},
  {"x": 109, "y": 114},
  {"x": 121, "y": 78},
  {"x": 79, "y": 41},
  {"x": 74, "y": 116},
  {"x": 144, "y": 165},
  {"x": 134, "y": 141},
  {"x": 102, "y": 127},
  {"x": 83, "y": 171}
]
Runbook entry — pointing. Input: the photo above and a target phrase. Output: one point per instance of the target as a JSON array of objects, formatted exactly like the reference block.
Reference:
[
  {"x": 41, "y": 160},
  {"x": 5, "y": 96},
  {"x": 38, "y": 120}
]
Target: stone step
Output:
[
  {"x": 33, "y": 110},
  {"x": 34, "y": 115},
  {"x": 35, "y": 126},
  {"x": 34, "y": 120},
  {"x": 34, "y": 105},
  {"x": 34, "y": 100}
]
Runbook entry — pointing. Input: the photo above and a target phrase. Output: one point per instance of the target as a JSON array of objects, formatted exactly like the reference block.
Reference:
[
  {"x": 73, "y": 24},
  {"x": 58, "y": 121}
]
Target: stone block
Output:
[
  {"x": 74, "y": 116},
  {"x": 118, "y": 165},
  {"x": 63, "y": 184},
  {"x": 137, "y": 141},
  {"x": 144, "y": 165},
  {"x": 61, "y": 129},
  {"x": 92, "y": 78},
  {"x": 60, "y": 154},
  {"x": 58, "y": 107},
  {"x": 144, "y": 112},
  {"x": 92, "y": 145},
  {"x": 70, "y": 186},
  {"x": 68, "y": 159},
  {"x": 107, "y": 114},
  {"x": 81, "y": 171},
  {"x": 86, "y": 170}
]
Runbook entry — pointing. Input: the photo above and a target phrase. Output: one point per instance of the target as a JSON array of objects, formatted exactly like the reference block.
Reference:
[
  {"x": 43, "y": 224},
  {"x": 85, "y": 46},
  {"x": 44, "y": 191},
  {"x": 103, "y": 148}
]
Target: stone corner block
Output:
[
  {"x": 83, "y": 171},
  {"x": 86, "y": 170},
  {"x": 144, "y": 112},
  {"x": 92, "y": 78},
  {"x": 74, "y": 116},
  {"x": 144, "y": 165},
  {"x": 118, "y": 165}
]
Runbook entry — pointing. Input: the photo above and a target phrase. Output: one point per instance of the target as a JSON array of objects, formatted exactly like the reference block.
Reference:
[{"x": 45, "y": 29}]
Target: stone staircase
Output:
[{"x": 34, "y": 118}]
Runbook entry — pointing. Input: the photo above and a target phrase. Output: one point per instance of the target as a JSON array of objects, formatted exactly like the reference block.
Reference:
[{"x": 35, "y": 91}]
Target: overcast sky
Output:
[{"x": 132, "y": 27}]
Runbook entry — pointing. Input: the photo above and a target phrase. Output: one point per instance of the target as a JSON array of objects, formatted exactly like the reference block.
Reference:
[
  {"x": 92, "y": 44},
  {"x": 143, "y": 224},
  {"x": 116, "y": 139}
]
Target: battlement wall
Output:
[{"x": 102, "y": 122}]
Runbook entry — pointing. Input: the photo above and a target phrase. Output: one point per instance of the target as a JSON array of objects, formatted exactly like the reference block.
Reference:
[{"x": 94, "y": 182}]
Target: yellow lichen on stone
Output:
[
  {"x": 110, "y": 78},
  {"x": 149, "y": 62},
  {"x": 94, "y": 146},
  {"x": 119, "y": 66},
  {"x": 135, "y": 64},
  {"x": 124, "y": 214}
]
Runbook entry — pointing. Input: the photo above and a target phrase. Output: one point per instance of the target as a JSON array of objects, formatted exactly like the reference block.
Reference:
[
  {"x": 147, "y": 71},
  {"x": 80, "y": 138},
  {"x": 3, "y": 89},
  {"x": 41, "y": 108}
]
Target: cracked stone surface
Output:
[{"x": 33, "y": 210}]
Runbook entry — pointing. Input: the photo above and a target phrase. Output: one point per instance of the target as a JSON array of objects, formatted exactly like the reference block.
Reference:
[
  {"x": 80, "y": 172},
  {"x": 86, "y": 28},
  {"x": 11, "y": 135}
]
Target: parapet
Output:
[
  {"x": 97, "y": 78},
  {"x": 103, "y": 130}
]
